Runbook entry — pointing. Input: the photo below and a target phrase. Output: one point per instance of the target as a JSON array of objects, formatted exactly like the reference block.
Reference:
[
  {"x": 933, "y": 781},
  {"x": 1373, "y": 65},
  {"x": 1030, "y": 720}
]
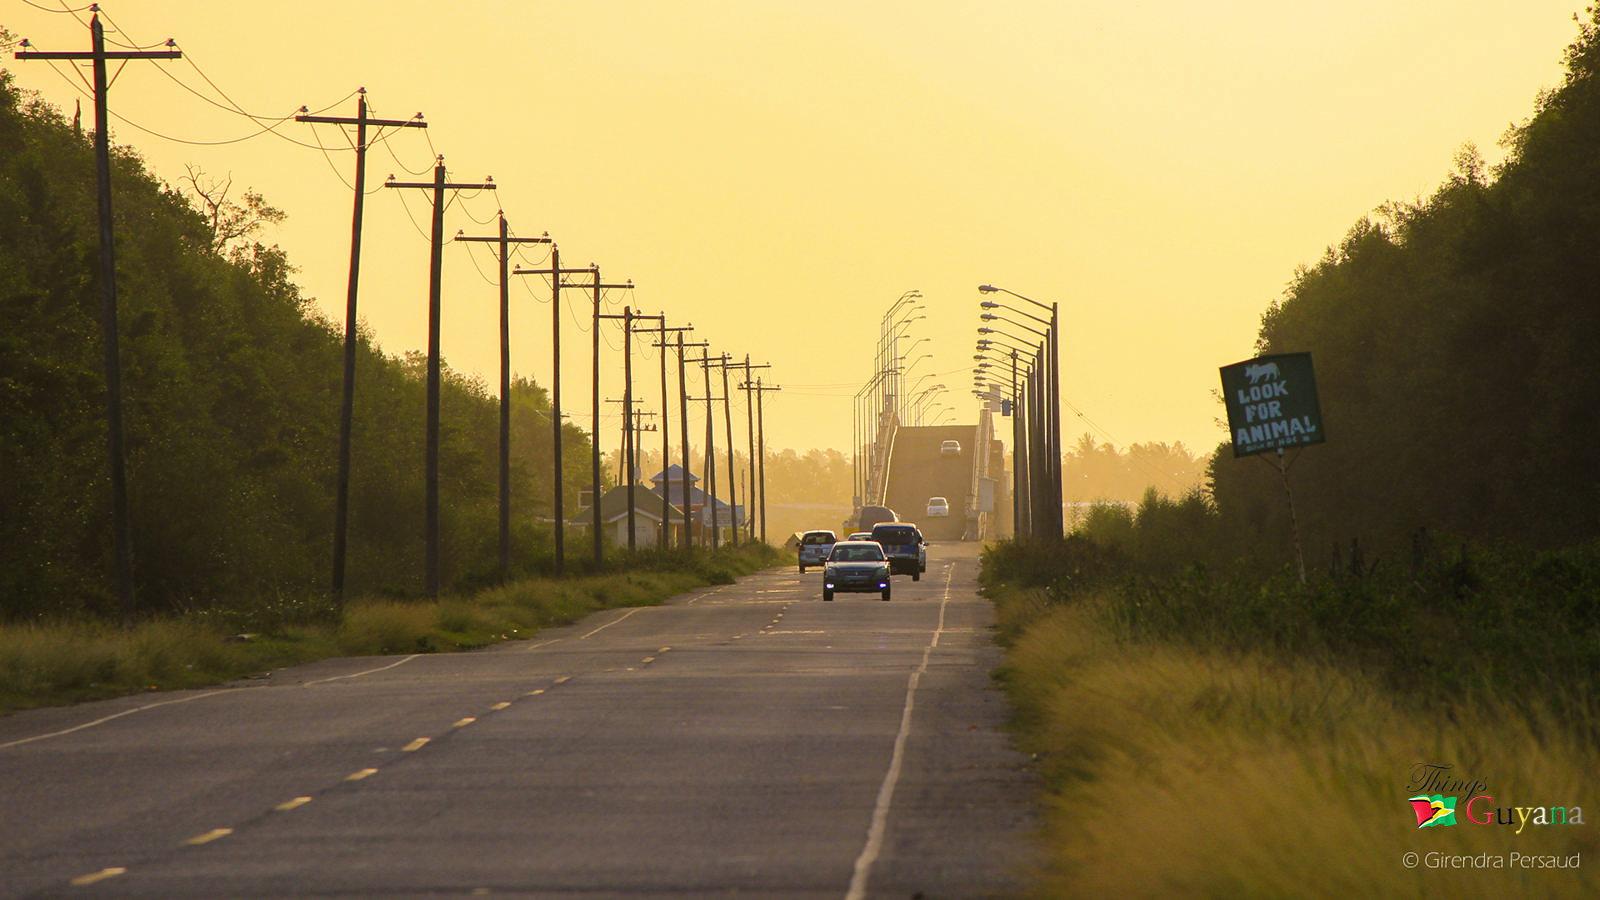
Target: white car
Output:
[
  {"x": 950, "y": 448},
  {"x": 938, "y": 507}
]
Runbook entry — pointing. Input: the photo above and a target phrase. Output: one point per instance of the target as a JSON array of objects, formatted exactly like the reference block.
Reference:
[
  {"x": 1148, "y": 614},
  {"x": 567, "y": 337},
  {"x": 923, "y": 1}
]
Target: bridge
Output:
[{"x": 907, "y": 468}]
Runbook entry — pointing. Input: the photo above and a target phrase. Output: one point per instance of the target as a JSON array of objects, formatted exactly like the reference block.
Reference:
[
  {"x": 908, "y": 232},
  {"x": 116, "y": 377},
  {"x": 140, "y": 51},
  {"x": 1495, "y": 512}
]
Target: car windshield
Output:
[
  {"x": 896, "y": 536},
  {"x": 857, "y": 554},
  {"x": 822, "y": 538}
]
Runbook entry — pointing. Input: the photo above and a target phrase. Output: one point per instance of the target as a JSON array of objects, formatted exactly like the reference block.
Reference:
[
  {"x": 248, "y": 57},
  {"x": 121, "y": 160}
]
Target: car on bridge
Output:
[
  {"x": 856, "y": 567},
  {"x": 938, "y": 507},
  {"x": 903, "y": 544},
  {"x": 950, "y": 448},
  {"x": 814, "y": 548}
]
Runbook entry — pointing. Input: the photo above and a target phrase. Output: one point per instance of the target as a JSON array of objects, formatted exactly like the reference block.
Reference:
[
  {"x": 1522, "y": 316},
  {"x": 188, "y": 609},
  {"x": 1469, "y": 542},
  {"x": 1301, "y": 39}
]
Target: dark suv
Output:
[{"x": 903, "y": 544}]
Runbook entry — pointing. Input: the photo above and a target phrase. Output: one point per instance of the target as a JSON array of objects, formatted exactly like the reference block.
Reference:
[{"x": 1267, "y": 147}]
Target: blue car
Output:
[{"x": 856, "y": 567}]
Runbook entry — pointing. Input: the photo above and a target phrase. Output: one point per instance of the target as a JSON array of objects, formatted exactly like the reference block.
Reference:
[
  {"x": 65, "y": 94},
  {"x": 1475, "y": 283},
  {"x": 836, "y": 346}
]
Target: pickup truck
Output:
[{"x": 903, "y": 544}]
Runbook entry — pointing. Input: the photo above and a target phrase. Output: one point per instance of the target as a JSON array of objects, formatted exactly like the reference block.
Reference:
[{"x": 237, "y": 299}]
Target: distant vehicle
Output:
[
  {"x": 903, "y": 544},
  {"x": 938, "y": 507},
  {"x": 950, "y": 448},
  {"x": 872, "y": 515},
  {"x": 856, "y": 567},
  {"x": 860, "y": 536},
  {"x": 814, "y": 548}
]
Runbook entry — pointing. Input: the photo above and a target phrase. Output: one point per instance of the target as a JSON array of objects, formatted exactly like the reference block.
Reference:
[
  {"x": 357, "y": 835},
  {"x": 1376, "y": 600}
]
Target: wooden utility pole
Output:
[
  {"x": 505, "y": 241},
  {"x": 750, "y": 428},
  {"x": 341, "y": 516},
  {"x": 761, "y": 430},
  {"x": 121, "y": 527},
  {"x": 725, "y": 362},
  {"x": 594, "y": 333},
  {"x": 627, "y": 345},
  {"x": 435, "y": 277},
  {"x": 555, "y": 272},
  {"x": 711, "y": 456},
  {"x": 683, "y": 419},
  {"x": 666, "y": 434}
]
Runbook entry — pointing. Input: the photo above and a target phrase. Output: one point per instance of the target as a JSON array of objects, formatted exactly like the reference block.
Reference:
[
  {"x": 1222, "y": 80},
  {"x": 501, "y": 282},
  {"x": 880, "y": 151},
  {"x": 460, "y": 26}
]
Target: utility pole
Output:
[
  {"x": 121, "y": 527},
  {"x": 555, "y": 272},
  {"x": 761, "y": 427},
  {"x": 683, "y": 418},
  {"x": 666, "y": 433},
  {"x": 632, "y": 450},
  {"x": 341, "y": 517},
  {"x": 504, "y": 240},
  {"x": 435, "y": 273},
  {"x": 750, "y": 430},
  {"x": 599, "y": 549},
  {"x": 711, "y": 456},
  {"x": 733, "y": 489}
]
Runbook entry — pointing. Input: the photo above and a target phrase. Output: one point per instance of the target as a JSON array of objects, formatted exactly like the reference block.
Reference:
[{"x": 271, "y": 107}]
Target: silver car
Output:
[
  {"x": 856, "y": 567},
  {"x": 814, "y": 547}
]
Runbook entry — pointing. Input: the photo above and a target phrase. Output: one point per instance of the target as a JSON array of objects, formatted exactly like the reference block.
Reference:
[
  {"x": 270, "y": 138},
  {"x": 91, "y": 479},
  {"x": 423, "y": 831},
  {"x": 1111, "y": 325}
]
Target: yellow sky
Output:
[{"x": 779, "y": 172}]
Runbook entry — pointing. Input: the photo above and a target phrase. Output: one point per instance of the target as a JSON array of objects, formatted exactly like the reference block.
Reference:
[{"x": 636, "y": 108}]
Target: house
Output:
[
  {"x": 646, "y": 516},
  {"x": 671, "y": 483}
]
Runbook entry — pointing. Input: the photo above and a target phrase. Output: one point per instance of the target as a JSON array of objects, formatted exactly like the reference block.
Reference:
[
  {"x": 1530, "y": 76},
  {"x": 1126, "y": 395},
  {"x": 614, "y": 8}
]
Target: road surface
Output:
[{"x": 747, "y": 739}]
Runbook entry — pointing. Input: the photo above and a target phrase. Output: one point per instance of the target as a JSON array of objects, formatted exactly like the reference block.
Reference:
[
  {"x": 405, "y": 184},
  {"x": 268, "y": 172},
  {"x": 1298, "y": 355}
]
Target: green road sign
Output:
[{"x": 1272, "y": 403}]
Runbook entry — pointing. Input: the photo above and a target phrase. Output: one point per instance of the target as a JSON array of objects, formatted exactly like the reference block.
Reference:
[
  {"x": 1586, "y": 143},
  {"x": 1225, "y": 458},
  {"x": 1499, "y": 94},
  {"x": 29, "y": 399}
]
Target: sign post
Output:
[{"x": 1272, "y": 405}]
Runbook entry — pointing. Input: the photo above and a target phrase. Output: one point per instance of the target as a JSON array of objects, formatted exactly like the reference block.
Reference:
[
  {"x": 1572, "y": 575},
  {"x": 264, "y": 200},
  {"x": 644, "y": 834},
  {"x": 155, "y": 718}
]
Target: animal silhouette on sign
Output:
[{"x": 1259, "y": 371}]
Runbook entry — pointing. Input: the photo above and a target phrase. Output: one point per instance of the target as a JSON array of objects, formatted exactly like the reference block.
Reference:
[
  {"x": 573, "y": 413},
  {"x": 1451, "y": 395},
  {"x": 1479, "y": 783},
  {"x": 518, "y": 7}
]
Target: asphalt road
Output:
[{"x": 748, "y": 739}]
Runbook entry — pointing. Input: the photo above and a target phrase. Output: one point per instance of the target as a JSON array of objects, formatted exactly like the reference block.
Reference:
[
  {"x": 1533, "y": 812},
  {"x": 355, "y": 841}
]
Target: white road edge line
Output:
[
  {"x": 129, "y": 712},
  {"x": 367, "y": 672},
  {"x": 880, "y": 814},
  {"x": 102, "y": 721},
  {"x": 611, "y": 623}
]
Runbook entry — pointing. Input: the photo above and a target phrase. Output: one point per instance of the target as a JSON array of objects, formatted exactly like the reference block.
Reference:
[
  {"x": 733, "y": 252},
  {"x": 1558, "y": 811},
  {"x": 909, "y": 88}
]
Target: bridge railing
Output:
[{"x": 882, "y": 450}]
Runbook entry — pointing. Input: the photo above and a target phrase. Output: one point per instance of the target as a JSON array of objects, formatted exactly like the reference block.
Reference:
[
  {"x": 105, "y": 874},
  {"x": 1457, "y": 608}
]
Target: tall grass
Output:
[
  {"x": 1182, "y": 772},
  {"x": 1212, "y": 727}
]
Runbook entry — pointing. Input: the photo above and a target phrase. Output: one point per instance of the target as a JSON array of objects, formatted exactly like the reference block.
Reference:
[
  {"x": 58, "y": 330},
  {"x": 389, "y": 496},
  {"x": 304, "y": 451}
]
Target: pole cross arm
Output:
[
  {"x": 415, "y": 122},
  {"x": 504, "y": 240},
  {"x": 104, "y": 54},
  {"x": 446, "y": 185},
  {"x": 522, "y": 271}
]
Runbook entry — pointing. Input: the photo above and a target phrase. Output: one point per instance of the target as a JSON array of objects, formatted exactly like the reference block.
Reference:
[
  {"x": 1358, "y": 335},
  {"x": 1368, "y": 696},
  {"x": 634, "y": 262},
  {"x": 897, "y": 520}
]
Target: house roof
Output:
[
  {"x": 673, "y": 472},
  {"x": 614, "y": 506}
]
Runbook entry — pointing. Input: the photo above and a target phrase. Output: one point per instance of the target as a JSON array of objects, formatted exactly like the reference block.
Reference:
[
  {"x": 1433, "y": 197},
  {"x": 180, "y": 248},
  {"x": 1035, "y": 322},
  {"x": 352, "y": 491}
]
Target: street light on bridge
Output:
[{"x": 1051, "y": 408}]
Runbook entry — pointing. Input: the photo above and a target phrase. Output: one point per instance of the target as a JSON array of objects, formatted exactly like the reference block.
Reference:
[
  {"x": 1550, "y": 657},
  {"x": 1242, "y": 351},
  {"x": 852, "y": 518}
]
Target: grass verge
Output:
[
  {"x": 1177, "y": 770},
  {"x": 49, "y": 664}
]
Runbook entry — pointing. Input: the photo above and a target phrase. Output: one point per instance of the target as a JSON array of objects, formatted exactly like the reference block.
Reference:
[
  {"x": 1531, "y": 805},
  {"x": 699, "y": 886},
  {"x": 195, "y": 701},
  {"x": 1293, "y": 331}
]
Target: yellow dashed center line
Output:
[
  {"x": 415, "y": 745},
  {"x": 563, "y": 679},
  {"x": 96, "y": 877},
  {"x": 209, "y": 836},
  {"x": 364, "y": 773},
  {"x": 500, "y": 706},
  {"x": 534, "y": 693},
  {"x": 464, "y": 722},
  {"x": 296, "y": 803}
]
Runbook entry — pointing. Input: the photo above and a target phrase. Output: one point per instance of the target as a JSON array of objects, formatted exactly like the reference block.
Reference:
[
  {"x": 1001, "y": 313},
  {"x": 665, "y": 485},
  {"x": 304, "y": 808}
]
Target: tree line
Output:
[
  {"x": 231, "y": 395},
  {"x": 1456, "y": 340}
]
